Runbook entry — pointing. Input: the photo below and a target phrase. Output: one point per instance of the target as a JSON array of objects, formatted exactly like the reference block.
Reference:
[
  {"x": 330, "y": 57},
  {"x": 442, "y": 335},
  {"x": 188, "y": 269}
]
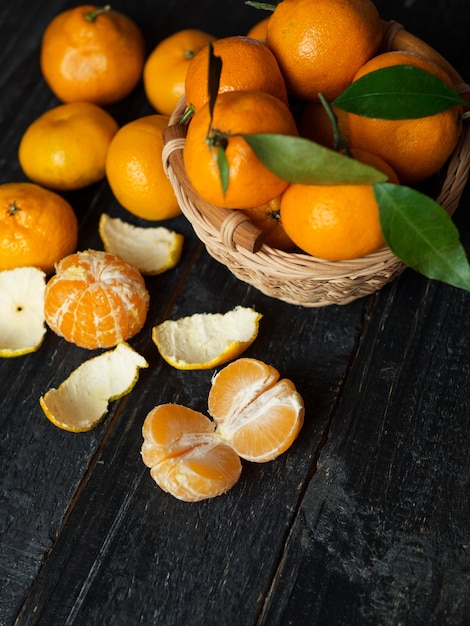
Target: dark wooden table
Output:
[{"x": 364, "y": 521}]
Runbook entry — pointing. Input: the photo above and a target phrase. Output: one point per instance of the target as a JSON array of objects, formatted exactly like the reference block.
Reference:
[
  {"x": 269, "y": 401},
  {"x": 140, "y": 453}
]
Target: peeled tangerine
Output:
[
  {"x": 81, "y": 401},
  {"x": 256, "y": 412},
  {"x": 22, "y": 323},
  {"x": 205, "y": 340},
  {"x": 256, "y": 416},
  {"x": 186, "y": 457},
  {"x": 150, "y": 250}
]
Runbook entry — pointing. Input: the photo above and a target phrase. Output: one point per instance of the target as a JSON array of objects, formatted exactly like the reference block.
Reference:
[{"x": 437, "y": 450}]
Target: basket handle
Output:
[
  {"x": 396, "y": 38},
  {"x": 236, "y": 226}
]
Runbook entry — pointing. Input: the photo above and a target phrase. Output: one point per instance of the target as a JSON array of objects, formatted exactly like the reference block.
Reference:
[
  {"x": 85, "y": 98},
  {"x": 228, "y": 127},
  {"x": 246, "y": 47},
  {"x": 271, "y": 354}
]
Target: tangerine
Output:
[
  {"x": 258, "y": 30},
  {"x": 268, "y": 217},
  {"x": 66, "y": 147},
  {"x": 92, "y": 54},
  {"x": 37, "y": 227},
  {"x": 256, "y": 412},
  {"x": 250, "y": 183},
  {"x": 415, "y": 148},
  {"x": 135, "y": 172},
  {"x": 186, "y": 456},
  {"x": 95, "y": 300},
  {"x": 320, "y": 44},
  {"x": 165, "y": 69},
  {"x": 247, "y": 65},
  {"x": 335, "y": 222}
]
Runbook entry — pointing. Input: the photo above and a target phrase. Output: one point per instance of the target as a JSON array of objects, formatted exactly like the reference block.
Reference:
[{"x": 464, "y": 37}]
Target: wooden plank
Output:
[
  {"x": 125, "y": 537},
  {"x": 381, "y": 536},
  {"x": 373, "y": 534}
]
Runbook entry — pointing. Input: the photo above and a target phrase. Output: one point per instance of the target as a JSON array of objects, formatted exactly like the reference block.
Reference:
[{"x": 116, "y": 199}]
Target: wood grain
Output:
[{"x": 364, "y": 521}]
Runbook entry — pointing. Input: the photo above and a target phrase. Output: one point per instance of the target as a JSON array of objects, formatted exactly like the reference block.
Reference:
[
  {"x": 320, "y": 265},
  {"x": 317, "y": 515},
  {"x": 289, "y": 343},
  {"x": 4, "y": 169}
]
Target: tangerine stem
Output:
[
  {"x": 92, "y": 15},
  {"x": 339, "y": 143},
  {"x": 261, "y": 5},
  {"x": 186, "y": 115},
  {"x": 13, "y": 208}
]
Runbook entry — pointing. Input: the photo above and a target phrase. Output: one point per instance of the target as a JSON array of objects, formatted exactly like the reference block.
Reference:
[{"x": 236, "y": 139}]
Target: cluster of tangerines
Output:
[
  {"x": 92, "y": 57},
  {"x": 303, "y": 55}
]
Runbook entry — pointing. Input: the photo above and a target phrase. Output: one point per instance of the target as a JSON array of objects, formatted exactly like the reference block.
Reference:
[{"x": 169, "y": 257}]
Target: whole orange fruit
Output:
[
  {"x": 268, "y": 217},
  {"x": 250, "y": 183},
  {"x": 66, "y": 147},
  {"x": 415, "y": 148},
  {"x": 332, "y": 222},
  {"x": 92, "y": 54},
  {"x": 335, "y": 222},
  {"x": 258, "y": 30},
  {"x": 320, "y": 44},
  {"x": 134, "y": 169},
  {"x": 95, "y": 299},
  {"x": 37, "y": 227},
  {"x": 166, "y": 67},
  {"x": 247, "y": 65}
]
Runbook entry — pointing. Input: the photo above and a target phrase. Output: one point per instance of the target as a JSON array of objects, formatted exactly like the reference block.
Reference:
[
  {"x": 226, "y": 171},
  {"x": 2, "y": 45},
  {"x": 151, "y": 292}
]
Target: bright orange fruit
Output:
[
  {"x": 250, "y": 183},
  {"x": 320, "y": 44},
  {"x": 96, "y": 300},
  {"x": 37, "y": 227},
  {"x": 186, "y": 457},
  {"x": 256, "y": 412},
  {"x": 92, "y": 54},
  {"x": 415, "y": 148},
  {"x": 247, "y": 65},
  {"x": 268, "y": 217},
  {"x": 165, "y": 69},
  {"x": 258, "y": 30},
  {"x": 66, "y": 147},
  {"x": 335, "y": 222},
  {"x": 134, "y": 169}
]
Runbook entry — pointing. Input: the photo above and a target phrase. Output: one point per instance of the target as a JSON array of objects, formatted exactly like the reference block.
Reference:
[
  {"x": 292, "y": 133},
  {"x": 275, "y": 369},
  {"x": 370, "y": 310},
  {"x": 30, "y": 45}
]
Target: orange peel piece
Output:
[
  {"x": 81, "y": 401},
  {"x": 153, "y": 250},
  {"x": 206, "y": 340},
  {"x": 22, "y": 321}
]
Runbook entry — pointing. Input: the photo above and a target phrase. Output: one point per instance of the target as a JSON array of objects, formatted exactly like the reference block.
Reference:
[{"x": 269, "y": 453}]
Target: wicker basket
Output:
[{"x": 298, "y": 278}]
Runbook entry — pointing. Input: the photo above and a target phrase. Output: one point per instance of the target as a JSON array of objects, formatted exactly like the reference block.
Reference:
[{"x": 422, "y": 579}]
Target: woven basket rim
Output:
[{"x": 271, "y": 270}]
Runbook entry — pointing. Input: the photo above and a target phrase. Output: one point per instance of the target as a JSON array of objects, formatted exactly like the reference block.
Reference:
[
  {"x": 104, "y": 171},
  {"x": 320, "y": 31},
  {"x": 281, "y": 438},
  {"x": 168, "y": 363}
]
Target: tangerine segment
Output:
[
  {"x": 205, "y": 340},
  {"x": 96, "y": 299},
  {"x": 22, "y": 327},
  {"x": 187, "y": 457},
  {"x": 256, "y": 413},
  {"x": 81, "y": 401}
]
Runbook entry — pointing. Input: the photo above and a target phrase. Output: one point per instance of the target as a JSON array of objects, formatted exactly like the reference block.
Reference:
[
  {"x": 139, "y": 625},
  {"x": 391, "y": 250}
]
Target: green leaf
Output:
[
  {"x": 215, "y": 69},
  {"x": 397, "y": 93},
  {"x": 300, "y": 160},
  {"x": 222, "y": 164},
  {"x": 421, "y": 233}
]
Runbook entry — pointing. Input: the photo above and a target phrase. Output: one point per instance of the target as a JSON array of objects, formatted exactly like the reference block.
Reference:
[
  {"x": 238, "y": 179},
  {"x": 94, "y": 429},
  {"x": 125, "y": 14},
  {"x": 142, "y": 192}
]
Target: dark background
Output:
[{"x": 364, "y": 521}]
